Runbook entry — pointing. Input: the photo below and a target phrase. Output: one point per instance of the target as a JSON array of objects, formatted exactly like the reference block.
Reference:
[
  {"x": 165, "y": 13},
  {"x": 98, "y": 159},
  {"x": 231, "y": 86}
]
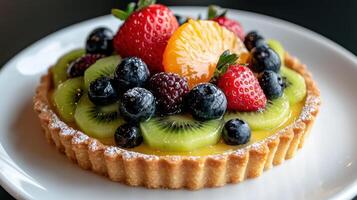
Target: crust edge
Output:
[{"x": 174, "y": 172}]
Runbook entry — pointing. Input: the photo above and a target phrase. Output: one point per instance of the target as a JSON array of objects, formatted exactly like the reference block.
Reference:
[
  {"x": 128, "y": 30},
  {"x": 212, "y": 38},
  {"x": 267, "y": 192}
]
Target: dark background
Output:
[{"x": 23, "y": 22}]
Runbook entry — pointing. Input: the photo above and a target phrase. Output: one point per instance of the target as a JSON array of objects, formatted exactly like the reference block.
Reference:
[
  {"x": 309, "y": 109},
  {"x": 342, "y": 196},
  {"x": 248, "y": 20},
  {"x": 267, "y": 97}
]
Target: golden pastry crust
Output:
[{"x": 191, "y": 172}]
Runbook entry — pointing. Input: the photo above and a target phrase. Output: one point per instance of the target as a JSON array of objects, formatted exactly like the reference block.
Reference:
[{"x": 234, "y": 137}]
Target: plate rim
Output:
[{"x": 348, "y": 192}]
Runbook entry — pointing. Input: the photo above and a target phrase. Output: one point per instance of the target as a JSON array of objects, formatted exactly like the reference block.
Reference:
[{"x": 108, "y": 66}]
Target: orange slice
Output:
[{"x": 194, "y": 49}]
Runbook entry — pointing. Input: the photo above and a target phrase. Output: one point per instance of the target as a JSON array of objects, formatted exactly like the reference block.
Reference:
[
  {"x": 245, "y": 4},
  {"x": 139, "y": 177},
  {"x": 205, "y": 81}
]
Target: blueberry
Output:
[
  {"x": 272, "y": 84},
  {"x": 236, "y": 132},
  {"x": 253, "y": 39},
  {"x": 128, "y": 136},
  {"x": 137, "y": 104},
  {"x": 131, "y": 72},
  {"x": 206, "y": 101},
  {"x": 102, "y": 92},
  {"x": 100, "y": 41},
  {"x": 181, "y": 19},
  {"x": 264, "y": 58}
]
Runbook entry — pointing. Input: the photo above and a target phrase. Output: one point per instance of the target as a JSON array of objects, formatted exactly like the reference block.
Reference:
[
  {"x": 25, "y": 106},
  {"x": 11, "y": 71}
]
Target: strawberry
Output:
[
  {"x": 239, "y": 84},
  {"x": 224, "y": 21},
  {"x": 145, "y": 32}
]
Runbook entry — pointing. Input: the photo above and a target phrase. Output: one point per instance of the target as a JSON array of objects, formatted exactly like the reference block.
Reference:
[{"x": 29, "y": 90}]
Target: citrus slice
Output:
[{"x": 194, "y": 49}]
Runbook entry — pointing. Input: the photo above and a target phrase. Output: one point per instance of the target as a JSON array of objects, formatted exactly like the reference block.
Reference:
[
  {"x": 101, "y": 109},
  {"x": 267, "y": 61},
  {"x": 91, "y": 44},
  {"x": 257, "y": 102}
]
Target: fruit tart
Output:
[{"x": 176, "y": 102}]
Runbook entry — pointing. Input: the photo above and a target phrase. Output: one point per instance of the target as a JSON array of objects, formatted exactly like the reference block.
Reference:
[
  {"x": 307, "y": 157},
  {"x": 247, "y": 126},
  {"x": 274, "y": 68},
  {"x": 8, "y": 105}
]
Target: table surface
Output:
[{"x": 23, "y": 22}]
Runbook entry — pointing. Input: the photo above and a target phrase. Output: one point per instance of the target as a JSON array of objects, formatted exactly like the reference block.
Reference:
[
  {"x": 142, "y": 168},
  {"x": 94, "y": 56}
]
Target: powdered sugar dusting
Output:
[
  {"x": 311, "y": 105},
  {"x": 93, "y": 146},
  {"x": 80, "y": 138}
]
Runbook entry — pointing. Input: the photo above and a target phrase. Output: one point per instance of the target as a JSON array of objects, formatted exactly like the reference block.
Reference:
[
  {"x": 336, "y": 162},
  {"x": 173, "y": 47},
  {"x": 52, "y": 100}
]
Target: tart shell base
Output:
[{"x": 174, "y": 172}]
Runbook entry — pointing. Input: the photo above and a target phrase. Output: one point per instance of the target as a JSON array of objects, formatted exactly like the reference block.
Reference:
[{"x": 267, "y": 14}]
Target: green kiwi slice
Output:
[
  {"x": 59, "y": 70},
  {"x": 180, "y": 133},
  {"x": 278, "y": 48},
  {"x": 295, "y": 85},
  {"x": 103, "y": 67},
  {"x": 275, "y": 114},
  {"x": 66, "y": 96},
  {"x": 97, "y": 121}
]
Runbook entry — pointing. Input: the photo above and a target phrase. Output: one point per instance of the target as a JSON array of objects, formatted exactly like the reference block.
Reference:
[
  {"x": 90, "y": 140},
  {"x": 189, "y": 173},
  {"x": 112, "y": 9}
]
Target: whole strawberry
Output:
[
  {"x": 145, "y": 32},
  {"x": 239, "y": 84},
  {"x": 224, "y": 21},
  {"x": 242, "y": 89}
]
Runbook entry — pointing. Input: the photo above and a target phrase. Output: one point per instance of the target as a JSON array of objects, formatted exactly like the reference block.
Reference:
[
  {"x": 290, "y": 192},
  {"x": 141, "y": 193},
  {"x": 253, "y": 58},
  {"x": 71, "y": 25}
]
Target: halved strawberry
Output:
[{"x": 145, "y": 32}]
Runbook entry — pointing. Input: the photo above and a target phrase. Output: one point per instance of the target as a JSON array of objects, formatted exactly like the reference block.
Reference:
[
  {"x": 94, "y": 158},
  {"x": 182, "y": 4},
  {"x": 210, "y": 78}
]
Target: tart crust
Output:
[{"x": 191, "y": 172}]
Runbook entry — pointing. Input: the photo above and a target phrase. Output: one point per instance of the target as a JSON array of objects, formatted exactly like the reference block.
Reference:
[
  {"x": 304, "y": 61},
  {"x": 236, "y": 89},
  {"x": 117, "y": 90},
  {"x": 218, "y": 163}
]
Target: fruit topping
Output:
[
  {"x": 180, "y": 133},
  {"x": 102, "y": 91},
  {"x": 206, "y": 101},
  {"x": 169, "y": 90},
  {"x": 236, "y": 132},
  {"x": 145, "y": 33},
  {"x": 278, "y": 48},
  {"x": 194, "y": 49},
  {"x": 97, "y": 121},
  {"x": 265, "y": 58},
  {"x": 100, "y": 41},
  {"x": 137, "y": 104},
  {"x": 66, "y": 96},
  {"x": 181, "y": 19},
  {"x": 242, "y": 89},
  {"x": 221, "y": 19},
  {"x": 295, "y": 85},
  {"x": 253, "y": 39},
  {"x": 128, "y": 136},
  {"x": 274, "y": 115},
  {"x": 272, "y": 84},
  {"x": 104, "y": 67},
  {"x": 131, "y": 72},
  {"x": 80, "y": 65},
  {"x": 59, "y": 70}
]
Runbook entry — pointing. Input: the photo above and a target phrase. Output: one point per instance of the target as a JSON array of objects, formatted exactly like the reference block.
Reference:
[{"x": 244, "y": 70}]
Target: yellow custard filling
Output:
[{"x": 221, "y": 147}]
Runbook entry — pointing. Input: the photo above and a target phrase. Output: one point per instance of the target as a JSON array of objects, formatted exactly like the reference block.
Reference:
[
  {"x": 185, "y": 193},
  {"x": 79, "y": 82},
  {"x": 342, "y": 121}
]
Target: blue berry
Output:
[
  {"x": 128, "y": 136},
  {"x": 206, "y": 101},
  {"x": 253, "y": 39},
  {"x": 102, "y": 92},
  {"x": 236, "y": 132},
  {"x": 100, "y": 41},
  {"x": 131, "y": 72},
  {"x": 137, "y": 104},
  {"x": 264, "y": 58},
  {"x": 272, "y": 84}
]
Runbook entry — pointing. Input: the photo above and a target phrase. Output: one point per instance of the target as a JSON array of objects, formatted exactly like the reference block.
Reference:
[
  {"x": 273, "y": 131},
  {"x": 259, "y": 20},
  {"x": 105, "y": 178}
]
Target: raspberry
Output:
[
  {"x": 77, "y": 67},
  {"x": 169, "y": 90}
]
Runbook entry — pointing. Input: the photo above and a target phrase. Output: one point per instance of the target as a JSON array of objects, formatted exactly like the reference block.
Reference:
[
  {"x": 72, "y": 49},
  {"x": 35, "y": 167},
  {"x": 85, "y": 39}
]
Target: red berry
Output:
[
  {"x": 242, "y": 89},
  {"x": 231, "y": 25},
  {"x": 79, "y": 66},
  {"x": 145, "y": 33},
  {"x": 169, "y": 90}
]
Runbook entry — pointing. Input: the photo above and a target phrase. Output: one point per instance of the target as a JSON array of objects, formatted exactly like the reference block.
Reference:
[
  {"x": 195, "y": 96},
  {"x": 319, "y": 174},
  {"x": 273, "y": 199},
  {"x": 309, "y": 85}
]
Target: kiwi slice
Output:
[
  {"x": 97, "y": 121},
  {"x": 275, "y": 113},
  {"x": 66, "y": 96},
  {"x": 180, "y": 133},
  {"x": 295, "y": 85},
  {"x": 59, "y": 70},
  {"x": 278, "y": 48},
  {"x": 103, "y": 67}
]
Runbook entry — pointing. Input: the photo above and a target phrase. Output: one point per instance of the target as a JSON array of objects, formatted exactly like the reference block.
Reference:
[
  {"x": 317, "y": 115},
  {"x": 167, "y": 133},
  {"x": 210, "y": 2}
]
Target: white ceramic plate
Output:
[{"x": 325, "y": 168}]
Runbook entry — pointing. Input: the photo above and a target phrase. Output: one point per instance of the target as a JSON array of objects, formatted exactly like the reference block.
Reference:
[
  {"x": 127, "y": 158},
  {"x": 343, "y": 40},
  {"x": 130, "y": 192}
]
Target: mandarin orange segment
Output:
[{"x": 194, "y": 49}]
